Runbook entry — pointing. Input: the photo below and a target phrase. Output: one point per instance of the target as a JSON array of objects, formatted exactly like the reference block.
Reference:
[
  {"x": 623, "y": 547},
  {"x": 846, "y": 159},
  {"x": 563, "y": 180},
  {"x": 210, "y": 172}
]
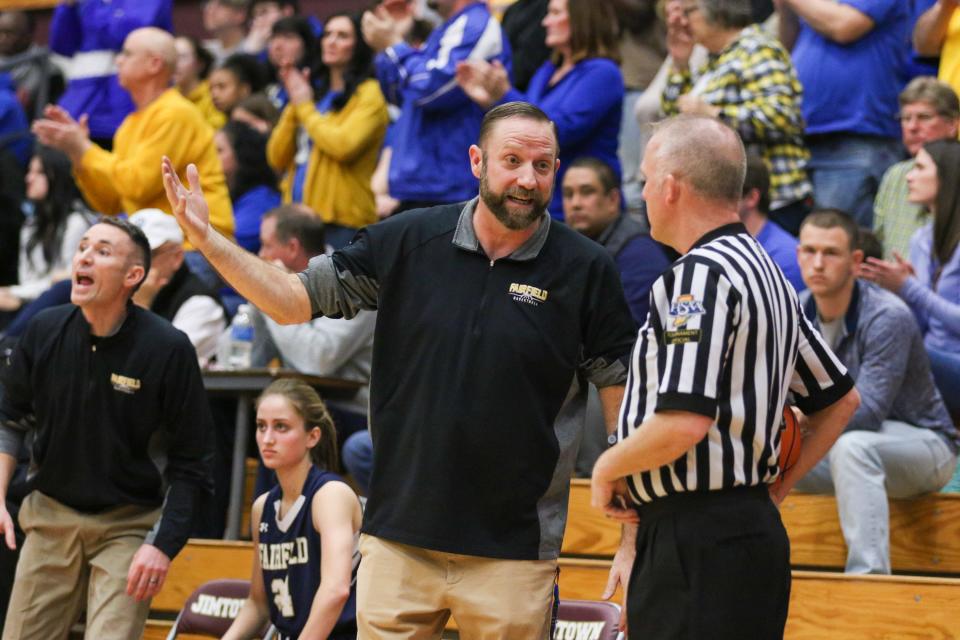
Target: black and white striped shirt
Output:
[{"x": 725, "y": 338}]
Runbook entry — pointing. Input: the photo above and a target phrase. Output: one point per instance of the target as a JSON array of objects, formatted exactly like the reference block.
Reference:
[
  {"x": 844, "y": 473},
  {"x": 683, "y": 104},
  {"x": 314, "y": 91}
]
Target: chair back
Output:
[
  {"x": 211, "y": 608},
  {"x": 587, "y": 620}
]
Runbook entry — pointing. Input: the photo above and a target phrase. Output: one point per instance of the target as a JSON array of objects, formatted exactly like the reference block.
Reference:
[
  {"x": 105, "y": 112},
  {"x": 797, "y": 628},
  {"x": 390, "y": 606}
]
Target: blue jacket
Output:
[
  {"x": 438, "y": 122},
  {"x": 640, "y": 259},
  {"x": 14, "y": 130},
  {"x": 101, "y": 26},
  {"x": 782, "y": 247},
  {"x": 248, "y": 210},
  {"x": 586, "y": 106}
]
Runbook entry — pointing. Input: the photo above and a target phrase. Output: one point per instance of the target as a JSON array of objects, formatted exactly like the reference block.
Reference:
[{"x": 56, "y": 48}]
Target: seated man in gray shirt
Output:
[
  {"x": 900, "y": 442},
  {"x": 290, "y": 236}
]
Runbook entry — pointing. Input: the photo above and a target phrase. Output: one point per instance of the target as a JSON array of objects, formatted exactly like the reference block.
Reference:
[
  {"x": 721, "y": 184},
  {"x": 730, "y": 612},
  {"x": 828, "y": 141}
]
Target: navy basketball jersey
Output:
[{"x": 290, "y": 561}]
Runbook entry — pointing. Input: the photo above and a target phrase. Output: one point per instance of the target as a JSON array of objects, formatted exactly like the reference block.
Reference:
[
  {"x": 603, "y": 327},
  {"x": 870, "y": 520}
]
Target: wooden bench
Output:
[
  {"x": 924, "y": 532},
  {"x": 199, "y": 562},
  {"x": 9, "y": 5},
  {"x": 822, "y": 605},
  {"x": 830, "y": 605}
]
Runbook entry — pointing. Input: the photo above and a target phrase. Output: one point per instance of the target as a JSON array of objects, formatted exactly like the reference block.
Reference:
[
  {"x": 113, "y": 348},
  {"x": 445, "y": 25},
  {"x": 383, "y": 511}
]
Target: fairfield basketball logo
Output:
[
  {"x": 124, "y": 384},
  {"x": 527, "y": 294}
]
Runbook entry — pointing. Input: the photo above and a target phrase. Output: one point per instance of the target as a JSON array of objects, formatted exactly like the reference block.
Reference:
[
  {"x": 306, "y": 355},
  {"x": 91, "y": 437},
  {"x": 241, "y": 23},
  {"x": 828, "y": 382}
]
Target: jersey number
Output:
[{"x": 281, "y": 596}]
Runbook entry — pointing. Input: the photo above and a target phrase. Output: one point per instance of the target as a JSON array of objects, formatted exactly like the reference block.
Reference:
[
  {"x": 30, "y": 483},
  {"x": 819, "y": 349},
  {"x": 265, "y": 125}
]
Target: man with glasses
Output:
[{"x": 929, "y": 110}]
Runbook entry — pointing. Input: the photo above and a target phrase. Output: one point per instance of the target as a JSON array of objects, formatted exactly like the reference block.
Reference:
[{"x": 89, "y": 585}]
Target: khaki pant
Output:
[
  {"x": 71, "y": 558},
  {"x": 408, "y": 592}
]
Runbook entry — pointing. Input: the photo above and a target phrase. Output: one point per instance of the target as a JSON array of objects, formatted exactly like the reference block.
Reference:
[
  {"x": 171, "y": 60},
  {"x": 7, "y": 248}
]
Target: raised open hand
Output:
[
  {"x": 483, "y": 82},
  {"x": 471, "y": 78},
  {"x": 297, "y": 84},
  {"x": 188, "y": 205},
  {"x": 381, "y": 29},
  {"x": 679, "y": 36},
  {"x": 888, "y": 274},
  {"x": 59, "y": 130}
]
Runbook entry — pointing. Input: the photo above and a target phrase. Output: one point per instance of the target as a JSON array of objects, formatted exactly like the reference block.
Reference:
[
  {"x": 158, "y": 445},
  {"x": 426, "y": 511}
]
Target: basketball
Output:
[{"x": 790, "y": 441}]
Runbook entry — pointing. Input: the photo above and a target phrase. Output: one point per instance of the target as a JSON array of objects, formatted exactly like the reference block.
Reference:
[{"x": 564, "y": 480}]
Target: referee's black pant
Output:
[{"x": 710, "y": 566}]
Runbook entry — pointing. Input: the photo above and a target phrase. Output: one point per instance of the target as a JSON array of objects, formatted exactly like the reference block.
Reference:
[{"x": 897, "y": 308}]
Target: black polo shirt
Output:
[
  {"x": 118, "y": 420},
  {"x": 479, "y": 375}
]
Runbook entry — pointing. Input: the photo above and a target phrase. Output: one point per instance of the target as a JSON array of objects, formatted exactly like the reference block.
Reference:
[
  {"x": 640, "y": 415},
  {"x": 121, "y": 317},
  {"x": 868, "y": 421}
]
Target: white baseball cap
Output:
[{"x": 159, "y": 227}]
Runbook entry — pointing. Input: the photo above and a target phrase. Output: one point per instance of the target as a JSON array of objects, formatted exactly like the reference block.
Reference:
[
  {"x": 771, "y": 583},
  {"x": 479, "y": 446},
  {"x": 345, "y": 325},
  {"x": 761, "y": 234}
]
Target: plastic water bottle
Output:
[{"x": 241, "y": 339}]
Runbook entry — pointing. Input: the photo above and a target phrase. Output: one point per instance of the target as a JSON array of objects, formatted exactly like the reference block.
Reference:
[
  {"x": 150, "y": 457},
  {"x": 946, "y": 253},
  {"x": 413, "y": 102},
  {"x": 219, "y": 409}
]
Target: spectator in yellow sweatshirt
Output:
[
  {"x": 329, "y": 135},
  {"x": 164, "y": 123}
]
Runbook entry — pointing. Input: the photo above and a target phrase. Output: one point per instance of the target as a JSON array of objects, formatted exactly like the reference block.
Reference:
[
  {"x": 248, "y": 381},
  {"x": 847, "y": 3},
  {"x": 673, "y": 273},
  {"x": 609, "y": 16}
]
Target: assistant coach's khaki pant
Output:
[
  {"x": 408, "y": 592},
  {"x": 69, "y": 557}
]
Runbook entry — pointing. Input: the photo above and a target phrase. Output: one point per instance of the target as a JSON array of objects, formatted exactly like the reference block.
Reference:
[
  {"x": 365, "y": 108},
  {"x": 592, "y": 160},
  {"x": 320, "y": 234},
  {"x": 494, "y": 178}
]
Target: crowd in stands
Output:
[{"x": 307, "y": 128}]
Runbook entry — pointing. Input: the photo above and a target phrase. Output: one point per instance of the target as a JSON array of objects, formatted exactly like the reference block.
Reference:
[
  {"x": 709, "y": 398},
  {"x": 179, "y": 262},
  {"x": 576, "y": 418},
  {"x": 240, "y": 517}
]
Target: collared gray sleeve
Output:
[
  {"x": 336, "y": 288},
  {"x": 11, "y": 439},
  {"x": 609, "y": 331},
  {"x": 16, "y": 409}
]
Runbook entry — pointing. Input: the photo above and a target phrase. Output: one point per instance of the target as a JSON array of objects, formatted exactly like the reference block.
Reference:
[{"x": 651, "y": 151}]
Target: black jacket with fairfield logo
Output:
[
  {"x": 480, "y": 373},
  {"x": 121, "y": 420}
]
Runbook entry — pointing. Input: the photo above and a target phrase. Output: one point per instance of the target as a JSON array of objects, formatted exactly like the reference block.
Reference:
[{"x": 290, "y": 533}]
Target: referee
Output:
[{"x": 698, "y": 430}]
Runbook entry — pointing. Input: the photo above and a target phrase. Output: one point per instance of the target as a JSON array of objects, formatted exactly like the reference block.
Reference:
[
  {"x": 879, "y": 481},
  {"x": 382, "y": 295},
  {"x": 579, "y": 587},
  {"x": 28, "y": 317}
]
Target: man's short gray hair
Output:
[
  {"x": 937, "y": 94},
  {"x": 727, "y": 14},
  {"x": 704, "y": 152}
]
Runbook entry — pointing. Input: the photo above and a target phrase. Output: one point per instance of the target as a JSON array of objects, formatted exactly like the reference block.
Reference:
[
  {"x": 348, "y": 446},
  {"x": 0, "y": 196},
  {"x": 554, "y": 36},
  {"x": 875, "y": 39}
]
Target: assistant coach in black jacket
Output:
[{"x": 121, "y": 448}]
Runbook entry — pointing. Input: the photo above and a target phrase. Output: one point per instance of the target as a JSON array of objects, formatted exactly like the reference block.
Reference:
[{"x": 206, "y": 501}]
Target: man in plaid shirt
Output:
[{"x": 748, "y": 81}]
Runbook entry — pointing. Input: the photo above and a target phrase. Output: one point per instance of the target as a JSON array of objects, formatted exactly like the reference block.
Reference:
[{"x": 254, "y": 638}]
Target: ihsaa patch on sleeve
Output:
[{"x": 684, "y": 312}]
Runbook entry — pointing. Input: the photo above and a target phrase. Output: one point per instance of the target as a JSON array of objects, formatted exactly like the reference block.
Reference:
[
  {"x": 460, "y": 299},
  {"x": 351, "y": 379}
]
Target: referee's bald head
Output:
[{"x": 703, "y": 152}]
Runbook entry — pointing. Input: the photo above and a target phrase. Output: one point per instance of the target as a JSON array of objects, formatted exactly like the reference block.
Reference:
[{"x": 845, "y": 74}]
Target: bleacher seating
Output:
[
  {"x": 925, "y": 538},
  {"x": 822, "y": 605},
  {"x": 830, "y": 605},
  {"x": 28, "y": 4},
  {"x": 924, "y": 532}
]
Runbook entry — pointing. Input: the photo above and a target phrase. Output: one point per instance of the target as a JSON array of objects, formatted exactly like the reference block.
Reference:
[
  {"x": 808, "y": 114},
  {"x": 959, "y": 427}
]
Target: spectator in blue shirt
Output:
[
  {"x": 252, "y": 183},
  {"x": 14, "y": 130},
  {"x": 591, "y": 206},
  {"x": 580, "y": 87},
  {"x": 754, "y": 211},
  {"x": 930, "y": 282},
  {"x": 437, "y": 122},
  {"x": 851, "y": 59},
  {"x": 91, "y": 32}
]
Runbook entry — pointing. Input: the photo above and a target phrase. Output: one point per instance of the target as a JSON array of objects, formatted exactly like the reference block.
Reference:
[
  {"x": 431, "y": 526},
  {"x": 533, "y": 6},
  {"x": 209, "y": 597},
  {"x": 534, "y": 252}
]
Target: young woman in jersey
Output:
[{"x": 311, "y": 514}]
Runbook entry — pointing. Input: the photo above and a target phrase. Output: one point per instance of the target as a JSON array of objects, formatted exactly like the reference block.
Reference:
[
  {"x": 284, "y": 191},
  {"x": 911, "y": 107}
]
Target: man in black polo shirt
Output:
[
  {"x": 121, "y": 448},
  {"x": 492, "y": 319}
]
